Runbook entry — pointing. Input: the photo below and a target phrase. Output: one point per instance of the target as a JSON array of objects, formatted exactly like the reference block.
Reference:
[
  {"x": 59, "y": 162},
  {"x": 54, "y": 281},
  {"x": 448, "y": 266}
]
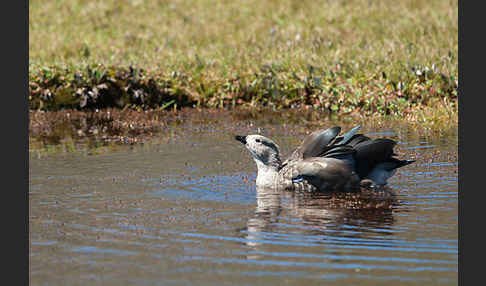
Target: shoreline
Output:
[
  {"x": 70, "y": 130},
  {"x": 125, "y": 105}
]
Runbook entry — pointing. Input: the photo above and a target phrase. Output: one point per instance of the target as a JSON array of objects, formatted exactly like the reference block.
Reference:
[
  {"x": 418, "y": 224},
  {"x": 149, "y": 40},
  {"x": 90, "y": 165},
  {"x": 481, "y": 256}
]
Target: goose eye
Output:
[{"x": 257, "y": 140}]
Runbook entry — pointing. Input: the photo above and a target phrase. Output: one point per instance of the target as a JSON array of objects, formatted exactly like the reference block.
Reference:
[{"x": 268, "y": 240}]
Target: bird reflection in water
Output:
[{"x": 317, "y": 213}]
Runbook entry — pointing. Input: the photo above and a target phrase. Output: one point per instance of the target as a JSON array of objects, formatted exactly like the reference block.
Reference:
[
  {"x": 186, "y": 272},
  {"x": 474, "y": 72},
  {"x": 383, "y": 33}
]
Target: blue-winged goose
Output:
[{"x": 325, "y": 161}]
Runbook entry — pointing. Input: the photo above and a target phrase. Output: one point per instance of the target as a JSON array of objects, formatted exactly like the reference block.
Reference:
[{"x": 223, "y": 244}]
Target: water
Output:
[{"x": 187, "y": 212}]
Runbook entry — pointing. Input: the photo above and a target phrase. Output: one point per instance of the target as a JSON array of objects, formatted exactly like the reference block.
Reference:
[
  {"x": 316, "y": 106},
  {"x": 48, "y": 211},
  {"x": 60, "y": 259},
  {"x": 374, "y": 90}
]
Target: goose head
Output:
[{"x": 264, "y": 151}]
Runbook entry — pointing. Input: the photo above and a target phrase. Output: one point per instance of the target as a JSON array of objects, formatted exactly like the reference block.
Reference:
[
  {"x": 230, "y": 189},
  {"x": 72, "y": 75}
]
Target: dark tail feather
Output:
[
  {"x": 343, "y": 139},
  {"x": 405, "y": 163},
  {"x": 357, "y": 139},
  {"x": 337, "y": 151},
  {"x": 400, "y": 163}
]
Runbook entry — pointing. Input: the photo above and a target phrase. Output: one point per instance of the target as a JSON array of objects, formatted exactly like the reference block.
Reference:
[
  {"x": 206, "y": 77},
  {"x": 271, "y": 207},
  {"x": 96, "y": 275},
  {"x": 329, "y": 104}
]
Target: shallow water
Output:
[{"x": 187, "y": 211}]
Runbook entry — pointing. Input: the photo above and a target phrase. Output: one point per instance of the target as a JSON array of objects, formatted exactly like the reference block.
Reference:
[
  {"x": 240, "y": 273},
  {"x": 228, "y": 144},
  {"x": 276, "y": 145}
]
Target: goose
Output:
[{"x": 325, "y": 161}]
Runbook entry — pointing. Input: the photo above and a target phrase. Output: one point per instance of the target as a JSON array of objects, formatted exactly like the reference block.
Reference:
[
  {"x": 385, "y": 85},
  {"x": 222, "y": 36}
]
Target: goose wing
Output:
[
  {"x": 326, "y": 143},
  {"x": 318, "y": 142},
  {"x": 314, "y": 144}
]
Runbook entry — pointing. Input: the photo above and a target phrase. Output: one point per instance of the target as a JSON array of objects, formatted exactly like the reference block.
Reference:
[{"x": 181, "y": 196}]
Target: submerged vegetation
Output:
[{"x": 357, "y": 58}]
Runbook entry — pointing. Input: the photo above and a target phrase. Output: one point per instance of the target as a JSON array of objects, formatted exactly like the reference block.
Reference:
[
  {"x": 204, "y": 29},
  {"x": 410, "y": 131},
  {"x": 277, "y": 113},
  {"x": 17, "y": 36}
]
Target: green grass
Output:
[{"x": 357, "y": 56}]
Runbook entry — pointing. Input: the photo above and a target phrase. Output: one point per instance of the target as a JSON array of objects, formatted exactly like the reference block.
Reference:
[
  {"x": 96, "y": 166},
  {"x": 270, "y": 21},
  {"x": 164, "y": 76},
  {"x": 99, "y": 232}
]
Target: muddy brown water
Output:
[{"x": 186, "y": 211}]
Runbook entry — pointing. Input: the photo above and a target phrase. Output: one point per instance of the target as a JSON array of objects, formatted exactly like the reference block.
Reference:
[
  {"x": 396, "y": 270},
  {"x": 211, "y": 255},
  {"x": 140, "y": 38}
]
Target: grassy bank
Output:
[{"x": 359, "y": 57}]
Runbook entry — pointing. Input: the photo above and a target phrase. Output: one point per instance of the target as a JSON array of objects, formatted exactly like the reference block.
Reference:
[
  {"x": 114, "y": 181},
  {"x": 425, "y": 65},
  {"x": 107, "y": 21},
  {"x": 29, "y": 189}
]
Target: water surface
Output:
[{"x": 187, "y": 212}]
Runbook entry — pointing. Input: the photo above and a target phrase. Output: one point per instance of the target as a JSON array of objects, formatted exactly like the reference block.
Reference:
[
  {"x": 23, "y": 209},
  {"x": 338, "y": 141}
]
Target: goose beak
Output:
[{"x": 242, "y": 139}]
